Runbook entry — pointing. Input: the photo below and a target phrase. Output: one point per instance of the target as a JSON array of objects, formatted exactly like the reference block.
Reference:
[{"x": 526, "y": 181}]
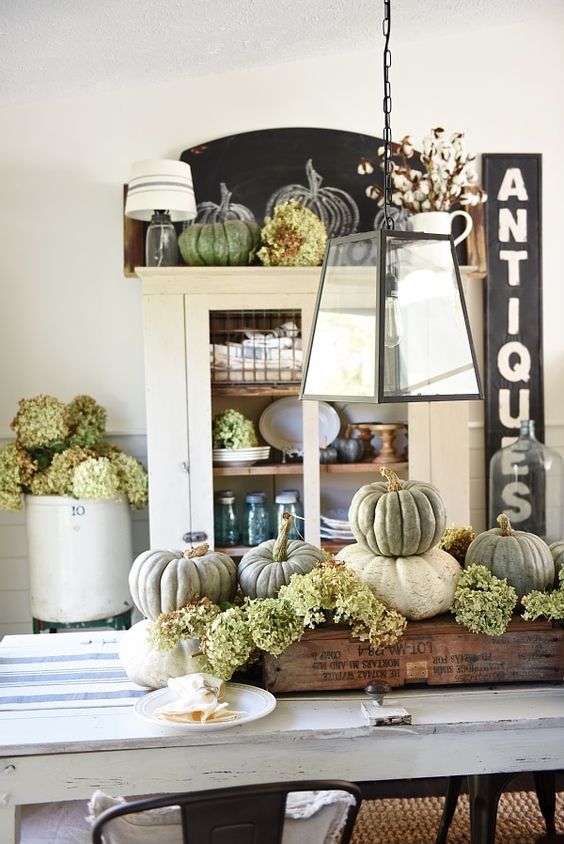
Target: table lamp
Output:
[{"x": 161, "y": 191}]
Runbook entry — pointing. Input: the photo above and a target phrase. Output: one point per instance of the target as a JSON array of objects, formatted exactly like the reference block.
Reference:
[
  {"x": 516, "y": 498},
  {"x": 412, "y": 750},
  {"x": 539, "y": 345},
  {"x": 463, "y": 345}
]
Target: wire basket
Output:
[{"x": 255, "y": 347}]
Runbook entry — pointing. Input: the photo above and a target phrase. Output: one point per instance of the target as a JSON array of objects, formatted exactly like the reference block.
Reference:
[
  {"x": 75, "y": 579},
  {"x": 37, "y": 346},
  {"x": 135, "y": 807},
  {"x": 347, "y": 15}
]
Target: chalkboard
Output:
[{"x": 255, "y": 166}]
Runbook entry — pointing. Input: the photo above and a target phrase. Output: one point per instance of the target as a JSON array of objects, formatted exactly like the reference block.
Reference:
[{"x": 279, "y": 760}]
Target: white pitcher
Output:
[{"x": 439, "y": 222}]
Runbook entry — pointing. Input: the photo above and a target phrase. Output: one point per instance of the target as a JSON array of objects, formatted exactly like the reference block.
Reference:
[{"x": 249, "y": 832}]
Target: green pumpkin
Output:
[
  {"x": 521, "y": 558},
  {"x": 163, "y": 581},
  {"x": 397, "y": 518},
  {"x": 264, "y": 569},
  {"x": 418, "y": 586},
  {"x": 232, "y": 243},
  {"x": 557, "y": 551}
]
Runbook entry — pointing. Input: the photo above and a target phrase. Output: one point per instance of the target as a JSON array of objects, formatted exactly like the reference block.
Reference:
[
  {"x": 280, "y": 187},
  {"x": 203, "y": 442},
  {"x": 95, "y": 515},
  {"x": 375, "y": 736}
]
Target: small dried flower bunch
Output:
[
  {"x": 448, "y": 177},
  {"x": 60, "y": 450},
  {"x": 292, "y": 237}
]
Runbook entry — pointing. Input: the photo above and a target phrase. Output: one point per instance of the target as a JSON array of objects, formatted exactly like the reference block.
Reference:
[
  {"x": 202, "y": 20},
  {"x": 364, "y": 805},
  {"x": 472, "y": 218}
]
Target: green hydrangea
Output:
[
  {"x": 189, "y": 622},
  {"x": 53, "y": 441},
  {"x": 58, "y": 478},
  {"x": 86, "y": 421},
  {"x": 331, "y": 592},
  {"x": 273, "y": 624},
  {"x": 228, "y": 644},
  {"x": 132, "y": 477},
  {"x": 456, "y": 539},
  {"x": 40, "y": 422},
  {"x": 10, "y": 478},
  {"x": 230, "y": 429},
  {"x": 96, "y": 478},
  {"x": 483, "y": 602},
  {"x": 546, "y": 604},
  {"x": 293, "y": 237}
]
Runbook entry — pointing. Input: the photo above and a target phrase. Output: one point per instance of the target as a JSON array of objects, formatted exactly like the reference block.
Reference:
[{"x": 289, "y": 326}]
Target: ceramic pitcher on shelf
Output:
[{"x": 439, "y": 222}]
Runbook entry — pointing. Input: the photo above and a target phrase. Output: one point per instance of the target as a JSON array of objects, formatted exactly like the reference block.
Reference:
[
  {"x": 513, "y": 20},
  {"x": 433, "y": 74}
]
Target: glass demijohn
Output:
[{"x": 526, "y": 483}]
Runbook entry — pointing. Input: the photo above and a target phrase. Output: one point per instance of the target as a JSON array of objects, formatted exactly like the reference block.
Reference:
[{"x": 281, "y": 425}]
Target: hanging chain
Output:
[{"x": 387, "y": 105}]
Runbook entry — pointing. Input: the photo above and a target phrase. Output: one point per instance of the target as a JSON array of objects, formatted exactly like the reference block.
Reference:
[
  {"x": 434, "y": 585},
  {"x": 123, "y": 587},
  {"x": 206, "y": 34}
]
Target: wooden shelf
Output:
[
  {"x": 298, "y": 468},
  {"x": 240, "y": 550},
  {"x": 245, "y": 390}
]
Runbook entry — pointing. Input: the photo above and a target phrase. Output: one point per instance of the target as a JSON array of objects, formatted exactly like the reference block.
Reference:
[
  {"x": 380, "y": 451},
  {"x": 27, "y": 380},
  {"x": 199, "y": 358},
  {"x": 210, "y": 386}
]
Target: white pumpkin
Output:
[
  {"x": 149, "y": 667},
  {"x": 418, "y": 587}
]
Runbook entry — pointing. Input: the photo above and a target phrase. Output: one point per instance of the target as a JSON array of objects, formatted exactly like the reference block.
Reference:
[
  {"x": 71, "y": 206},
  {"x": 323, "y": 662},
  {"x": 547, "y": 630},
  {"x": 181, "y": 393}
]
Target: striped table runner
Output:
[{"x": 63, "y": 670}]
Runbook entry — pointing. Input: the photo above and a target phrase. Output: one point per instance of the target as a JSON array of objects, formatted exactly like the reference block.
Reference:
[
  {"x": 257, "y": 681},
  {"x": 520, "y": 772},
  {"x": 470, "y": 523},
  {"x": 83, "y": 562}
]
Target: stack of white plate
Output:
[
  {"x": 335, "y": 525},
  {"x": 240, "y": 456}
]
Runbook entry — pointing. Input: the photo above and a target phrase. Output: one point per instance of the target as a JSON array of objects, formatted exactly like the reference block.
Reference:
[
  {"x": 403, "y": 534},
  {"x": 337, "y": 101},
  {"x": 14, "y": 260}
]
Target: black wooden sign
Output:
[{"x": 513, "y": 298}]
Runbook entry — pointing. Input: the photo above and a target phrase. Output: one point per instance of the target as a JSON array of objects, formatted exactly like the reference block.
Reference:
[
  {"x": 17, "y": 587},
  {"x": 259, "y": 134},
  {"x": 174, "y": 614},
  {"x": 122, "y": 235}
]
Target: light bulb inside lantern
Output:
[{"x": 392, "y": 314}]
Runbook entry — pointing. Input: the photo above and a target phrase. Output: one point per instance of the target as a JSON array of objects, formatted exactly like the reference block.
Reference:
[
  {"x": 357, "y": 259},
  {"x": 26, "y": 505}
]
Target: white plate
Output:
[
  {"x": 240, "y": 456},
  {"x": 281, "y": 424},
  {"x": 254, "y": 702},
  {"x": 337, "y": 519},
  {"x": 326, "y": 533}
]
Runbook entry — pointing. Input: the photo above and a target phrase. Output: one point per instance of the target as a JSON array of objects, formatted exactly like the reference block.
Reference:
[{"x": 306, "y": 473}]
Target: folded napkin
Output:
[{"x": 197, "y": 700}]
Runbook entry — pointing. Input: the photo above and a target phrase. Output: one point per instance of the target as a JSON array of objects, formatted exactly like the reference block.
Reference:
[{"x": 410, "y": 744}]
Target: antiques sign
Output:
[{"x": 513, "y": 305}]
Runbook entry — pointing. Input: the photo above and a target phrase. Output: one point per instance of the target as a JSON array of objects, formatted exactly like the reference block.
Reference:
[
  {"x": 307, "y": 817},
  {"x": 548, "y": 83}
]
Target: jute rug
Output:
[{"x": 416, "y": 820}]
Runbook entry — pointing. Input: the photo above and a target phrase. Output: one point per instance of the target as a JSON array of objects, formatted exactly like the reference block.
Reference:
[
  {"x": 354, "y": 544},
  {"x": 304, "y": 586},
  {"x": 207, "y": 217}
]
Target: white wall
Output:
[{"x": 71, "y": 323}]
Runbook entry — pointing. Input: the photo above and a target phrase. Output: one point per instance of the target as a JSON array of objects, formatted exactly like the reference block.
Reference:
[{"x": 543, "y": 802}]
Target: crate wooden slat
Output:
[{"x": 434, "y": 652}]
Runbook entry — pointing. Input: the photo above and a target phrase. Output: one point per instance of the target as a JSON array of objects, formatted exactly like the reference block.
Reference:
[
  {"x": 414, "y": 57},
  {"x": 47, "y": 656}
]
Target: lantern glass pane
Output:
[{"x": 430, "y": 353}]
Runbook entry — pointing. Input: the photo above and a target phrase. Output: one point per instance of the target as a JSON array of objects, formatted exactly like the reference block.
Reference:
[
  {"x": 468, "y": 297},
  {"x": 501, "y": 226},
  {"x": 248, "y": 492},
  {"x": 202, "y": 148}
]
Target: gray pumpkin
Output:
[
  {"x": 521, "y": 558},
  {"x": 557, "y": 551},
  {"x": 397, "y": 518},
  {"x": 264, "y": 569},
  {"x": 349, "y": 449},
  {"x": 163, "y": 581}
]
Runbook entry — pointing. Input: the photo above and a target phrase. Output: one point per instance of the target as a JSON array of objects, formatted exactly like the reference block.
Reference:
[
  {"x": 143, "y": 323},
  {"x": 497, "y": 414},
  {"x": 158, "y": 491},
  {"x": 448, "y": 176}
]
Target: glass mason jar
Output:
[
  {"x": 161, "y": 245},
  {"x": 256, "y": 519},
  {"x": 288, "y": 501},
  {"x": 526, "y": 483},
  {"x": 225, "y": 519}
]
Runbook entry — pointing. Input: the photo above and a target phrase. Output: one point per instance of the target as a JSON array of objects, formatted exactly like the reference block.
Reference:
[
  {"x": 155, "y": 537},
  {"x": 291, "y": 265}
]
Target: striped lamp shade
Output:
[{"x": 160, "y": 185}]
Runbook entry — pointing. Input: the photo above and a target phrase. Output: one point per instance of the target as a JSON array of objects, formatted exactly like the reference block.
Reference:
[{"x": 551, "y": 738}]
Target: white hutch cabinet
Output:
[{"x": 177, "y": 303}]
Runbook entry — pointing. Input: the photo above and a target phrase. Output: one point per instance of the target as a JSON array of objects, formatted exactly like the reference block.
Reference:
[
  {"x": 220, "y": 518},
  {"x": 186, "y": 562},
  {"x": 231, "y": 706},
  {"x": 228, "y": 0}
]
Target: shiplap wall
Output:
[{"x": 15, "y": 616}]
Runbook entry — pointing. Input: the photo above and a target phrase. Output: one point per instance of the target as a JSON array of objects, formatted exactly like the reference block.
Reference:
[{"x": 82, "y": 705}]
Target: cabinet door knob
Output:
[{"x": 195, "y": 536}]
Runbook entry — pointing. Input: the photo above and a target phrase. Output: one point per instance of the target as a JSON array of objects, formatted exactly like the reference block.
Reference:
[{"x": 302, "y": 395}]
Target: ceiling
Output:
[{"x": 53, "y": 48}]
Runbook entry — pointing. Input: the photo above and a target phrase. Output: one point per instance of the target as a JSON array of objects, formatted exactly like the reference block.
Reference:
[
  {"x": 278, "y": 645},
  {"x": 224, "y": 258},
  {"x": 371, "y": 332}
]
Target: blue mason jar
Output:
[
  {"x": 288, "y": 501},
  {"x": 256, "y": 520},
  {"x": 225, "y": 519}
]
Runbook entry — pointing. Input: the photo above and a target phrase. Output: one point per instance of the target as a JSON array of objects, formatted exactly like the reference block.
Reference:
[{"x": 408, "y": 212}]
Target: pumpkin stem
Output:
[
  {"x": 505, "y": 525},
  {"x": 394, "y": 483},
  {"x": 314, "y": 179},
  {"x": 225, "y": 197},
  {"x": 198, "y": 551},
  {"x": 280, "y": 549}
]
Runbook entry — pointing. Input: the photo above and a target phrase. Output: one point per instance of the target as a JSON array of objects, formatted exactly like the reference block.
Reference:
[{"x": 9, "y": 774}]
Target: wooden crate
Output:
[{"x": 435, "y": 652}]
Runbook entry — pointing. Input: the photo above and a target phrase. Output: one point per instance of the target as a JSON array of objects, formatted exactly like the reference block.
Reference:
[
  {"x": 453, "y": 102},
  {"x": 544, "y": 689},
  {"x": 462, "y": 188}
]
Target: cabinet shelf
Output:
[
  {"x": 298, "y": 468},
  {"x": 254, "y": 389},
  {"x": 240, "y": 550}
]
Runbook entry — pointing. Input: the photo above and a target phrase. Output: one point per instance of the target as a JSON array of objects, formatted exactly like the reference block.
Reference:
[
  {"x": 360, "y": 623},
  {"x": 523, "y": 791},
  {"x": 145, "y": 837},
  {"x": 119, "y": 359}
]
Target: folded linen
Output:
[{"x": 197, "y": 700}]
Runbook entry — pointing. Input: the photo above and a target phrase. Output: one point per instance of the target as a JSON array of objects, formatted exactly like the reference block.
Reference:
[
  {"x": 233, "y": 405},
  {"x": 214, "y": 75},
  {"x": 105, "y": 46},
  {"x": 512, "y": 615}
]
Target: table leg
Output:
[
  {"x": 451, "y": 798},
  {"x": 484, "y": 791},
  {"x": 9, "y": 822},
  {"x": 545, "y": 786}
]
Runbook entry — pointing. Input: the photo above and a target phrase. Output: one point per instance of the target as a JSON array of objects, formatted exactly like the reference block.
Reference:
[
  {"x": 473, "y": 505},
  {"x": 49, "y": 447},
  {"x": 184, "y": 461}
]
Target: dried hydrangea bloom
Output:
[
  {"x": 483, "y": 603},
  {"x": 40, "y": 422},
  {"x": 10, "y": 488},
  {"x": 86, "y": 421},
  {"x": 96, "y": 478},
  {"x": 228, "y": 643},
  {"x": 292, "y": 237},
  {"x": 132, "y": 478},
  {"x": 274, "y": 624},
  {"x": 58, "y": 478}
]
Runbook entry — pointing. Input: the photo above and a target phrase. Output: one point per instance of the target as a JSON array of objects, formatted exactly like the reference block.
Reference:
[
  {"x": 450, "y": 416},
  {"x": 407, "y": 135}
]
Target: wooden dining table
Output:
[{"x": 68, "y": 726}]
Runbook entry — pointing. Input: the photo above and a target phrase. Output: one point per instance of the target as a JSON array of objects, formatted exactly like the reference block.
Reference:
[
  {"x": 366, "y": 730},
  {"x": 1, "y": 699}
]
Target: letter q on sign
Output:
[{"x": 518, "y": 370}]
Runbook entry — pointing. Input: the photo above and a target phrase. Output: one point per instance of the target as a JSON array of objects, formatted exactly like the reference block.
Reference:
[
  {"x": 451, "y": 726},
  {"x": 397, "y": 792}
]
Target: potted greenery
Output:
[{"x": 77, "y": 489}]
